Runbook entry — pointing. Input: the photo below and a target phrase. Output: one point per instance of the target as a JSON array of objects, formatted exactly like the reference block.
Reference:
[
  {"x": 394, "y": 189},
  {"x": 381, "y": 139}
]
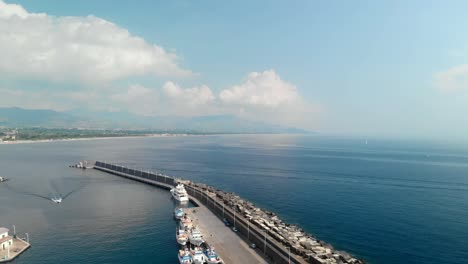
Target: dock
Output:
[
  {"x": 10, "y": 254},
  {"x": 275, "y": 240},
  {"x": 227, "y": 243}
]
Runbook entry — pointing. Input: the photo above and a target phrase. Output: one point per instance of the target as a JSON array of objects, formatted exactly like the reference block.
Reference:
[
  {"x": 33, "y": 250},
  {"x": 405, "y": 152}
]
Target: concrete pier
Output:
[
  {"x": 276, "y": 240},
  {"x": 227, "y": 244},
  {"x": 18, "y": 247}
]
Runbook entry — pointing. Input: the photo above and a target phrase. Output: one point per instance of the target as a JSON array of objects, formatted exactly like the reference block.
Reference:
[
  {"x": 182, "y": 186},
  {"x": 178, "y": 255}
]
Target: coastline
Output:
[{"x": 90, "y": 138}]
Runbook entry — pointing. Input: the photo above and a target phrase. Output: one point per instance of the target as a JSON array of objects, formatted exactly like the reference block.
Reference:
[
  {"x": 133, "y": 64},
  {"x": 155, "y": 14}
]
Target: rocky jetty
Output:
[{"x": 300, "y": 243}]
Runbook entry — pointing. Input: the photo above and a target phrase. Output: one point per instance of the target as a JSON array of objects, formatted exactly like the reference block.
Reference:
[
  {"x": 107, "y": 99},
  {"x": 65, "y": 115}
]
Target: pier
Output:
[
  {"x": 11, "y": 247},
  {"x": 227, "y": 243},
  {"x": 275, "y": 241}
]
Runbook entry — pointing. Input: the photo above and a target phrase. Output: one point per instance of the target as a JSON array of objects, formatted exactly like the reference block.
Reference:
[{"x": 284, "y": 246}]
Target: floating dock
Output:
[
  {"x": 214, "y": 205},
  {"x": 11, "y": 253}
]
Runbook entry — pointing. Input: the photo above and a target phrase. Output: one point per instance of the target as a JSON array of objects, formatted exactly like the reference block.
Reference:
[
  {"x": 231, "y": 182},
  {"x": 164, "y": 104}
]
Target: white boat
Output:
[
  {"x": 2, "y": 179},
  {"x": 56, "y": 200},
  {"x": 185, "y": 223},
  {"x": 212, "y": 257},
  {"x": 196, "y": 237},
  {"x": 181, "y": 236},
  {"x": 198, "y": 256},
  {"x": 185, "y": 257},
  {"x": 178, "y": 213},
  {"x": 179, "y": 193}
]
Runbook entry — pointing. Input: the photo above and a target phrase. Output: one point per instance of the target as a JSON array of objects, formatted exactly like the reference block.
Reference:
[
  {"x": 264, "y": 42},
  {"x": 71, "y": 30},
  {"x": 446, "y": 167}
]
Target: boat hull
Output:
[
  {"x": 196, "y": 241},
  {"x": 178, "y": 198},
  {"x": 182, "y": 242}
]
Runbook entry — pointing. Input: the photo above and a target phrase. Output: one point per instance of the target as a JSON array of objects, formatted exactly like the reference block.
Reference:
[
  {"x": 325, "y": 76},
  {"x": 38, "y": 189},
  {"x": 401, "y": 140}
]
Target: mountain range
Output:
[{"x": 19, "y": 117}]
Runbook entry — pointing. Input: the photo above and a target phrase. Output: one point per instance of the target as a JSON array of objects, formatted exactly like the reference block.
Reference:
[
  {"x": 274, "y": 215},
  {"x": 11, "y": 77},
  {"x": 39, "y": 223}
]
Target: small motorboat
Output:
[
  {"x": 212, "y": 257},
  {"x": 178, "y": 213},
  {"x": 185, "y": 223},
  {"x": 198, "y": 256},
  {"x": 3, "y": 179},
  {"x": 181, "y": 237},
  {"x": 185, "y": 257},
  {"x": 56, "y": 200}
]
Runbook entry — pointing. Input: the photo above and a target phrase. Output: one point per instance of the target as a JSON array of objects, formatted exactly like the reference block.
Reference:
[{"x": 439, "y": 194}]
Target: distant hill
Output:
[{"x": 18, "y": 117}]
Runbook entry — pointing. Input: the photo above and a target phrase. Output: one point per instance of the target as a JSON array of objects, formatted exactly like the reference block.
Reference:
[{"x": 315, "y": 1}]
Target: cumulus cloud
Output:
[
  {"x": 265, "y": 96},
  {"x": 453, "y": 79},
  {"x": 84, "y": 49},
  {"x": 195, "y": 96},
  {"x": 170, "y": 99},
  {"x": 138, "y": 99},
  {"x": 265, "y": 89}
]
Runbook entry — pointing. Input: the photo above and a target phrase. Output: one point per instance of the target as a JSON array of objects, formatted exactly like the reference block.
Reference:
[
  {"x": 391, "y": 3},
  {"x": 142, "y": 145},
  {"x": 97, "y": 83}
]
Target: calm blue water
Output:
[{"x": 387, "y": 202}]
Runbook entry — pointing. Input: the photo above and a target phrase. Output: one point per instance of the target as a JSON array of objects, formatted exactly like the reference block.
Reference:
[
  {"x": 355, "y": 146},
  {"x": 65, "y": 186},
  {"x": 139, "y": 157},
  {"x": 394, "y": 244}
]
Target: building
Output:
[{"x": 6, "y": 240}]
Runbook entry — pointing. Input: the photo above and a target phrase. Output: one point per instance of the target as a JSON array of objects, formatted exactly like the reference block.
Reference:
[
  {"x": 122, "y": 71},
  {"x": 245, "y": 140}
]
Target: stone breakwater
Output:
[
  {"x": 281, "y": 242},
  {"x": 301, "y": 243}
]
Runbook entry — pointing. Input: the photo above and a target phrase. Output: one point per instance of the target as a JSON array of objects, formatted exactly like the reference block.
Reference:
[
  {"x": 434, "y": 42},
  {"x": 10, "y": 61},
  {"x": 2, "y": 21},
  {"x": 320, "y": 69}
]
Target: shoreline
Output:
[
  {"x": 92, "y": 138},
  {"x": 129, "y": 137}
]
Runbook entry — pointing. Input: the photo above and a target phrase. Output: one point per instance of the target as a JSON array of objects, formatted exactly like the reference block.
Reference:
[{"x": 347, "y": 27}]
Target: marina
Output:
[{"x": 278, "y": 241}]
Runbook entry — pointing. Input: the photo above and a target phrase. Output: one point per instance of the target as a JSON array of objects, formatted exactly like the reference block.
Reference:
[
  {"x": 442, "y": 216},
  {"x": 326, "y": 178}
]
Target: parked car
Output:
[
  {"x": 253, "y": 246},
  {"x": 234, "y": 229},
  {"x": 226, "y": 222}
]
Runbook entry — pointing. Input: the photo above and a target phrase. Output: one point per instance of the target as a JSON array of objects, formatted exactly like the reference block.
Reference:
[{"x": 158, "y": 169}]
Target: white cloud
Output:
[
  {"x": 171, "y": 99},
  {"x": 138, "y": 99},
  {"x": 83, "y": 49},
  {"x": 9, "y": 10},
  {"x": 453, "y": 79},
  {"x": 265, "y": 96},
  {"x": 262, "y": 96},
  {"x": 264, "y": 89},
  {"x": 195, "y": 96}
]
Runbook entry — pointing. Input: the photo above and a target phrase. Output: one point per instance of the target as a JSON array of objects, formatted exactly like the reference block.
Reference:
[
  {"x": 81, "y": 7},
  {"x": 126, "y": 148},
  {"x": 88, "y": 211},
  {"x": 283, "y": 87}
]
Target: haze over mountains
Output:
[{"x": 19, "y": 117}]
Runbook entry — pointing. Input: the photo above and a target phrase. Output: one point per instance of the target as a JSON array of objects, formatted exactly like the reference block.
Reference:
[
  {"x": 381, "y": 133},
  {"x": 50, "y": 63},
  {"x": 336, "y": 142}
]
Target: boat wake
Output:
[
  {"x": 56, "y": 196},
  {"x": 26, "y": 192}
]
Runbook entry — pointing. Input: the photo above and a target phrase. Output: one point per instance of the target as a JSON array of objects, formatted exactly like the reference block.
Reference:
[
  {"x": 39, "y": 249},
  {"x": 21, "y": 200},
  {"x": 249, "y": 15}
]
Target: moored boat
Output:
[
  {"x": 196, "y": 237},
  {"x": 178, "y": 213},
  {"x": 185, "y": 223},
  {"x": 212, "y": 257},
  {"x": 181, "y": 236},
  {"x": 198, "y": 256},
  {"x": 185, "y": 257},
  {"x": 179, "y": 193}
]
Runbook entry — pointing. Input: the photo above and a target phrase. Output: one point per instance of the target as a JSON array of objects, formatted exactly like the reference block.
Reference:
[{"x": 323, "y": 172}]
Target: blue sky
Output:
[{"x": 376, "y": 68}]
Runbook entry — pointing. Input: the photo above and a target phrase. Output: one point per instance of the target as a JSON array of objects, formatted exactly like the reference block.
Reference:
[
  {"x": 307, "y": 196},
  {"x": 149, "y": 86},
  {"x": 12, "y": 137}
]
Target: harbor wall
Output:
[{"x": 275, "y": 251}]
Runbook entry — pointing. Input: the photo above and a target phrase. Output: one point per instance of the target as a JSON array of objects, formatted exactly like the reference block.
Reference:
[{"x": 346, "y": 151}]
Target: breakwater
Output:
[{"x": 281, "y": 242}]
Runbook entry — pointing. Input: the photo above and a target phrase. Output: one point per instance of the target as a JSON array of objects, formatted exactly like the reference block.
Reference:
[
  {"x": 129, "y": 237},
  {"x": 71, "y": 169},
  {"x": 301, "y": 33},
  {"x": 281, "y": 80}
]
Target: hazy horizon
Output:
[{"x": 372, "y": 69}]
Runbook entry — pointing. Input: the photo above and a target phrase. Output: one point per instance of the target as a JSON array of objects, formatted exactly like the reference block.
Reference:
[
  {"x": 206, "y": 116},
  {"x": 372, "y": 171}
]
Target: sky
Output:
[{"x": 371, "y": 68}]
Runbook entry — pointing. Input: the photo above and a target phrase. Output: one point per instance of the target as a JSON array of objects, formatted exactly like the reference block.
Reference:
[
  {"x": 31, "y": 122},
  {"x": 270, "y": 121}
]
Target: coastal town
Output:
[{"x": 8, "y": 135}]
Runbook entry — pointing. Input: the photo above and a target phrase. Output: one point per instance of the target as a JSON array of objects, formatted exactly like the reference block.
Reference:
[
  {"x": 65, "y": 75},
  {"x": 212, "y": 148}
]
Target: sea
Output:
[{"x": 385, "y": 201}]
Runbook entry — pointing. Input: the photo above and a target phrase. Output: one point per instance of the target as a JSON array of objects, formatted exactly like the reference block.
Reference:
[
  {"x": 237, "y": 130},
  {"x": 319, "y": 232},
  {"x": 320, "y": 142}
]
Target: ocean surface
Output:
[{"x": 385, "y": 201}]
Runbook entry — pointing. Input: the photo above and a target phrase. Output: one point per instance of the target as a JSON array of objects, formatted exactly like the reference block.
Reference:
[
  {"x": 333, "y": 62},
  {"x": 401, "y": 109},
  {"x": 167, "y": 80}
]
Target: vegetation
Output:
[{"x": 72, "y": 133}]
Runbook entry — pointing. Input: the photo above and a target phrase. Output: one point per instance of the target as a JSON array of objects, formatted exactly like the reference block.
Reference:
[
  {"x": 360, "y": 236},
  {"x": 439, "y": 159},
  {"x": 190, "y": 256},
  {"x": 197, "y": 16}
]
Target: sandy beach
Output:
[{"x": 88, "y": 138}]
